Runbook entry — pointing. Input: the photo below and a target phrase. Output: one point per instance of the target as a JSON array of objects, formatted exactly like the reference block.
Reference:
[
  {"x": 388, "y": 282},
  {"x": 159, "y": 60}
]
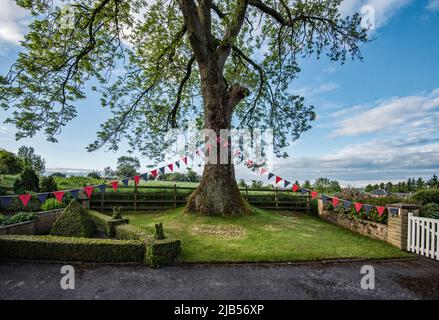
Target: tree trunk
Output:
[{"x": 218, "y": 193}]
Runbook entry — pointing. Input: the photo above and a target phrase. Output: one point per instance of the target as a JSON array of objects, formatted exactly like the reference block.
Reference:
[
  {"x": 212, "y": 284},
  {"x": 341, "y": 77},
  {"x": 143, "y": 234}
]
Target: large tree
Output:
[{"x": 239, "y": 56}]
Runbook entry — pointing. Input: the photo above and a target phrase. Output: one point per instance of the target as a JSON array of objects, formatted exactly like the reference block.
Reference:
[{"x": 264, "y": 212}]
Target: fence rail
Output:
[
  {"x": 167, "y": 197},
  {"x": 423, "y": 236}
]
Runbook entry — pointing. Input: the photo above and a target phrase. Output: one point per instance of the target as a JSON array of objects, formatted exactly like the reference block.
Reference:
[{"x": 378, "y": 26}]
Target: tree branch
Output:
[{"x": 173, "y": 113}]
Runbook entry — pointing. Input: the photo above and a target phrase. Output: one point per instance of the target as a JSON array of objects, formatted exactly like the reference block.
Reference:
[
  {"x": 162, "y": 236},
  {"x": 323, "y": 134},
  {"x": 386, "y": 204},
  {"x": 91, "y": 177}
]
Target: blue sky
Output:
[{"x": 377, "y": 119}]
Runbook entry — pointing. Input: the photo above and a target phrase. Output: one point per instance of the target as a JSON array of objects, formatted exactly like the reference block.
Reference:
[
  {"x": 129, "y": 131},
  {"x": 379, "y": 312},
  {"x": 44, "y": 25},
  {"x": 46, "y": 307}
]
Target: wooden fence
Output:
[
  {"x": 167, "y": 197},
  {"x": 423, "y": 236}
]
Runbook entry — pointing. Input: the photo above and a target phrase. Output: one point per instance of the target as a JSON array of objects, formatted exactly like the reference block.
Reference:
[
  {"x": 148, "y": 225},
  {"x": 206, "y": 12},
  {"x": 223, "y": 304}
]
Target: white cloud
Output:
[
  {"x": 433, "y": 5},
  {"x": 415, "y": 115},
  {"x": 384, "y": 9},
  {"x": 13, "y": 22},
  {"x": 309, "y": 91}
]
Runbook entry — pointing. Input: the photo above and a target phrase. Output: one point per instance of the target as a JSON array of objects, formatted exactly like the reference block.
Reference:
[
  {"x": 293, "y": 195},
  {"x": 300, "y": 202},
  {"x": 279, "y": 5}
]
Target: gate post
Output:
[{"x": 397, "y": 226}]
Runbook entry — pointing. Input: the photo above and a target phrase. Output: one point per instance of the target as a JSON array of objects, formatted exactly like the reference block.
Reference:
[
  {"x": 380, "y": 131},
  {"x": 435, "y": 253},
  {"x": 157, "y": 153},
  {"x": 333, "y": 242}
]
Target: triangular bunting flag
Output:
[
  {"x": 102, "y": 187},
  {"x": 295, "y": 188},
  {"x": 88, "y": 190},
  {"x": 325, "y": 199},
  {"x": 58, "y": 195},
  {"x": 286, "y": 183},
  {"x": 24, "y": 198},
  {"x": 314, "y": 194},
  {"x": 171, "y": 167},
  {"x": 177, "y": 163},
  {"x": 394, "y": 211},
  {"x": 136, "y": 180},
  {"x": 42, "y": 197},
  {"x": 270, "y": 175},
  {"x": 162, "y": 170},
  {"x": 335, "y": 202},
  {"x": 358, "y": 206},
  {"x": 278, "y": 179},
  {"x": 144, "y": 176},
  {"x": 5, "y": 201},
  {"x": 304, "y": 190},
  {"x": 74, "y": 193},
  {"x": 126, "y": 181},
  {"x": 115, "y": 185},
  {"x": 368, "y": 208},
  {"x": 380, "y": 210},
  {"x": 154, "y": 173},
  {"x": 185, "y": 160},
  {"x": 262, "y": 171},
  {"x": 347, "y": 204}
]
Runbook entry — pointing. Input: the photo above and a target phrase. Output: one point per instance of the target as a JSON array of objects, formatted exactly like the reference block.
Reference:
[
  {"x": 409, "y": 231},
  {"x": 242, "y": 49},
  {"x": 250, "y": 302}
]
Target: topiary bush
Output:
[
  {"x": 159, "y": 234},
  {"x": 74, "y": 222},
  {"x": 117, "y": 213}
]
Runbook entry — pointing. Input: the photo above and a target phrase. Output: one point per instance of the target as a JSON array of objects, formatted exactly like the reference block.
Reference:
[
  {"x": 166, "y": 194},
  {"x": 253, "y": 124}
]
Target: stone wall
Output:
[
  {"x": 42, "y": 225},
  {"x": 395, "y": 232},
  {"x": 368, "y": 228}
]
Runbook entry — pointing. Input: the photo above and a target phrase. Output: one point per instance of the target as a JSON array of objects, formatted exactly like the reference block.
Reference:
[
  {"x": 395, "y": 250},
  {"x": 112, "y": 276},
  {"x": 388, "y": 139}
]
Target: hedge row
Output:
[
  {"x": 71, "y": 249},
  {"x": 158, "y": 252}
]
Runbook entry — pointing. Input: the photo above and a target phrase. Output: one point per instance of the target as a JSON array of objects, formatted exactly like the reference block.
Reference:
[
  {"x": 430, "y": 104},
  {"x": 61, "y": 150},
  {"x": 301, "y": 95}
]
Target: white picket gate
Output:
[{"x": 423, "y": 236}]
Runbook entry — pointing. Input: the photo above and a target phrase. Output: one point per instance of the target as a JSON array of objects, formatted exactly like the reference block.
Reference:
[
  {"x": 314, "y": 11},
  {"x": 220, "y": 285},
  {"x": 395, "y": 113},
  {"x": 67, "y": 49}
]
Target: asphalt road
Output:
[{"x": 396, "y": 279}]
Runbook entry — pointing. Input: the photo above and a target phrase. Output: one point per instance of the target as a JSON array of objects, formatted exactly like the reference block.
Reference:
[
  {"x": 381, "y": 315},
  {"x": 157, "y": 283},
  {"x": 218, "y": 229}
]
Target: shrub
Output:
[
  {"x": 16, "y": 218},
  {"x": 74, "y": 222},
  {"x": 27, "y": 181},
  {"x": 34, "y": 205},
  {"x": 106, "y": 223},
  {"x": 430, "y": 210},
  {"x": 48, "y": 184},
  {"x": 70, "y": 249},
  {"x": 52, "y": 204},
  {"x": 426, "y": 196},
  {"x": 117, "y": 213},
  {"x": 159, "y": 234}
]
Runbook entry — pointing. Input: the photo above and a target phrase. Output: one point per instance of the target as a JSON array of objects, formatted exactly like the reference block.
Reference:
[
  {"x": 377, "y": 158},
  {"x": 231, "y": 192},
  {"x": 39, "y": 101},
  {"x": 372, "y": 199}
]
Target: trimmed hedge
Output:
[
  {"x": 71, "y": 249},
  {"x": 74, "y": 222},
  {"x": 106, "y": 223}
]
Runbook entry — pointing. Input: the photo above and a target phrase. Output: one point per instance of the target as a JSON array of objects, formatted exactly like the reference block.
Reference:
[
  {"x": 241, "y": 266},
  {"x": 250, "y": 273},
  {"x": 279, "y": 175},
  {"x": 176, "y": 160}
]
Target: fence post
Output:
[
  {"x": 175, "y": 195},
  {"x": 308, "y": 202},
  {"x": 276, "y": 199},
  {"x": 397, "y": 226},
  {"x": 102, "y": 201}
]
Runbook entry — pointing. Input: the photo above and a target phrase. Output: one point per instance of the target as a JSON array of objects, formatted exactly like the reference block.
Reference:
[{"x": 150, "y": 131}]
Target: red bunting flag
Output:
[
  {"x": 154, "y": 173},
  {"x": 278, "y": 179},
  {"x": 184, "y": 160},
  {"x": 115, "y": 185},
  {"x": 58, "y": 195},
  {"x": 262, "y": 171},
  {"x": 24, "y": 198},
  {"x": 380, "y": 210},
  {"x": 335, "y": 202},
  {"x": 314, "y": 194},
  {"x": 295, "y": 187},
  {"x": 136, "y": 180},
  {"x": 171, "y": 167},
  {"x": 358, "y": 207},
  {"x": 88, "y": 190}
]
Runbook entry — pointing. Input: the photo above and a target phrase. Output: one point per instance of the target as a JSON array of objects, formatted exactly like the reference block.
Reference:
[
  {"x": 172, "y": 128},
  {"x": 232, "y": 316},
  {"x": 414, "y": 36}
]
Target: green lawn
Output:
[{"x": 264, "y": 236}]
